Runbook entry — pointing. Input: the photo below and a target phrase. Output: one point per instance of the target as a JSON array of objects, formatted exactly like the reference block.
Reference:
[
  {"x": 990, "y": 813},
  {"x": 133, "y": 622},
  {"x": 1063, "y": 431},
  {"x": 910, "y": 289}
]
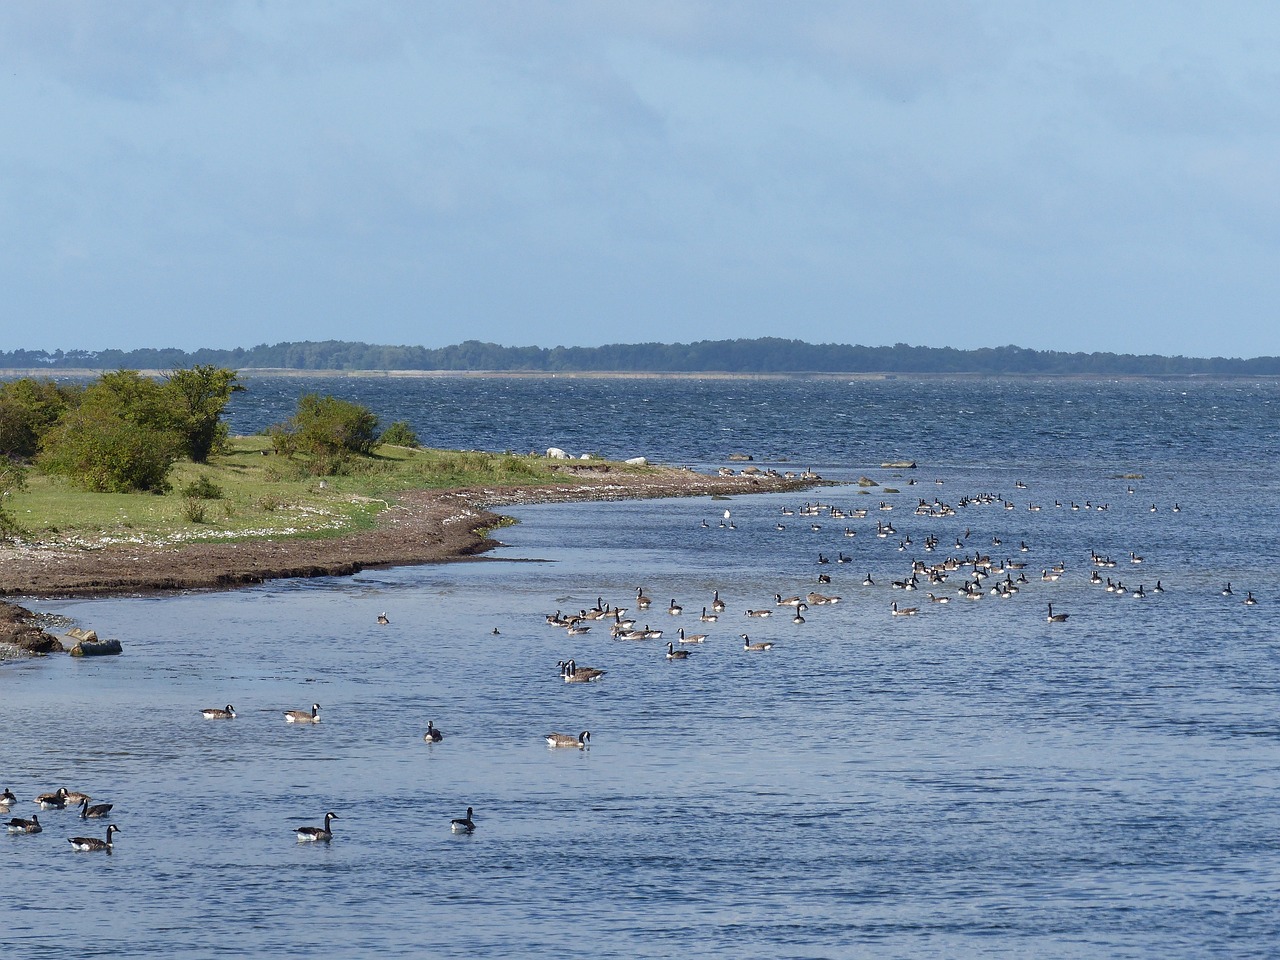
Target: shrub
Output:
[
  {"x": 98, "y": 448},
  {"x": 400, "y": 434},
  {"x": 202, "y": 488},
  {"x": 197, "y": 396},
  {"x": 12, "y": 479},
  {"x": 327, "y": 431},
  {"x": 28, "y": 408},
  {"x": 193, "y": 509}
]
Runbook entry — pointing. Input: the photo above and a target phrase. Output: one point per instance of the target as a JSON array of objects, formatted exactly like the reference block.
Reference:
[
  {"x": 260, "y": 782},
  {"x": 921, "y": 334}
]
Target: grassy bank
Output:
[{"x": 263, "y": 496}]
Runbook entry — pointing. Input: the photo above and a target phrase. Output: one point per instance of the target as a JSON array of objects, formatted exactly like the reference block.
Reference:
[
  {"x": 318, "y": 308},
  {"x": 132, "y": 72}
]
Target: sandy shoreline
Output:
[{"x": 424, "y": 526}]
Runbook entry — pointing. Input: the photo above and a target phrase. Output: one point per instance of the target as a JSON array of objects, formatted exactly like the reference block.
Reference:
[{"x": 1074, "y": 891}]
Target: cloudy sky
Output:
[{"x": 1081, "y": 176}]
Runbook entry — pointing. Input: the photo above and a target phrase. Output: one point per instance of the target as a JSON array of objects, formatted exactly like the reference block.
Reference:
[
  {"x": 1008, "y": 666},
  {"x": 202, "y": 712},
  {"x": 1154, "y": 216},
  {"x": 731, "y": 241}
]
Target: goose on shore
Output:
[
  {"x": 95, "y": 812},
  {"x": 21, "y": 825},
  {"x": 93, "y": 843},
  {"x": 317, "y": 834},
  {"x": 302, "y": 716},
  {"x": 581, "y": 741},
  {"x": 463, "y": 824},
  {"x": 218, "y": 713},
  {"x": 747, "y": 644},
  {"x": 432, "y": 735}
]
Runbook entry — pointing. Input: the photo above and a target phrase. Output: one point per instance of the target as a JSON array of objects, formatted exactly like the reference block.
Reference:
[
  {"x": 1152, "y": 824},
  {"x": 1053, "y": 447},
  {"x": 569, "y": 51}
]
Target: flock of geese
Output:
[{"x": 971, "y": 571}]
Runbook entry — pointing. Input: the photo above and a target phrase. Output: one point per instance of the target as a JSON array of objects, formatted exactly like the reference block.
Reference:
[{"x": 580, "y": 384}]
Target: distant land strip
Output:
[{"x": 765, "y": 356}]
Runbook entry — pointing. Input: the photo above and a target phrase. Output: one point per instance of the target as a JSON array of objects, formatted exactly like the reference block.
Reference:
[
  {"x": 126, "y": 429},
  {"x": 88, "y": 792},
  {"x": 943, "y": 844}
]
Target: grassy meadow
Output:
[{"x": 260, "y": 496}]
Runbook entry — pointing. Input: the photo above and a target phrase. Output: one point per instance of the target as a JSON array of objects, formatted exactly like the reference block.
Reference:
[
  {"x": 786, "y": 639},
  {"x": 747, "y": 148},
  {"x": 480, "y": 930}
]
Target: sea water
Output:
[{"x": 970, "y": 781}]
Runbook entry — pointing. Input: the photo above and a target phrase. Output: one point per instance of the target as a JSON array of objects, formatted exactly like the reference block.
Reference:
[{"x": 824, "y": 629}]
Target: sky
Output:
[{"x": 1084, "y": 176}]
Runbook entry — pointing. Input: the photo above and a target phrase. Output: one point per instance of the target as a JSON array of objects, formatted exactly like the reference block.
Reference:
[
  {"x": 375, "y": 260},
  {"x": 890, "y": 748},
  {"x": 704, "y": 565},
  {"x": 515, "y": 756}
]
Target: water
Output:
[{"x": 971, "y": 781}]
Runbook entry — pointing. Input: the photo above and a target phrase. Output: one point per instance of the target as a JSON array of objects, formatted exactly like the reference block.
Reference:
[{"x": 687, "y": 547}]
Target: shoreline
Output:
[{"x": 422, "y": 526}]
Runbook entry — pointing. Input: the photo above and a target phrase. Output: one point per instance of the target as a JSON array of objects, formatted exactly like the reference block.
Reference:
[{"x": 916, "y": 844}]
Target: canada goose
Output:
[
  {"x": 1140, "y": 593},
  {"x": 1056, "y": 617},
  {"x": 642, "y": 602},
  {"x": 691, "y": 638},
  {"x": 576, "y": 674},
  {"x": 581, "y": 741},
  {"x": 716, "y": 603},
  {"x": 903, "y": 611},
  {"x": 94, "y": 812},
  {"x": 432, "y": 735},
  {"x": 759, "y": 613},
  {"x": 577, "y": 629},
  {"x": 1134, "y": 558},
  {"x": 758, "y": 645},
  {"x": 651, "y": 634},
  {"x": 824, "y": 578},
  {"x": 868, "y": 582},
  {"x": 675, "y": 609},
  {"x": 463, "y": 824},
  {"x": 708, "y": 617},
  {"x": 788, "y": 602},
  {"x": 301, "y": 716},
  {"x": 1158, "y": 588},
  {"x": 93, "y": 843},
  {"x": 938, "y": 599},
  {"x": 674, "y": 654},
  {"x": 216, "y": 713},
  {"x": 1226, "y": 591},
  {"x": 317, "y": 834},
  {"x": 19, "y": 825},
  {"x": 822, "y": 559},
  {"x": 382, "y": 618},
  {"x": 1250, "y": 599},
  {"x": 57, "y": 800},
  {"x": 7, "y": 798},
  {"x": 797, "y": 618}
]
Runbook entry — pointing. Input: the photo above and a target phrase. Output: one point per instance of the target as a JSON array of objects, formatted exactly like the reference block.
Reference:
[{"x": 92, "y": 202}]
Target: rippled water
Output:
[{"x": 970, "y": 781}]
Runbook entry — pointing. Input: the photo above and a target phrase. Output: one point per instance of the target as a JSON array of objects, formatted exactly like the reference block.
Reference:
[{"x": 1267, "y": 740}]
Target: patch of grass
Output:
[{"x": 264, "y": 494}]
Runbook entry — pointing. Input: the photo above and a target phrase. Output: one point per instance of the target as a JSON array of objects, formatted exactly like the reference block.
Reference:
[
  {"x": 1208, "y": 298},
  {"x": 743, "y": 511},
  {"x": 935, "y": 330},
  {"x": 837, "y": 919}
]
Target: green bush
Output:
[
  {"x": 12, "y": 479},
  {"x": 193, "y": 508},
  {"x": 327, "y": 431},
  {"x": 197, "y": 396},
  {"x": 28, "y": 408},
  {"x": 97, "y": 449},
  {"x": 400, "y": 434},
  {"x": 202, "y": 488}
]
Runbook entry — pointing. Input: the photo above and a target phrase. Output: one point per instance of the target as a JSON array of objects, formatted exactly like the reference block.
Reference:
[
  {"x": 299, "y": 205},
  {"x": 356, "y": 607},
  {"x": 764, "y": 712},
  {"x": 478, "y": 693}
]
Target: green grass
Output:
[{"x": 263, "y": 496}]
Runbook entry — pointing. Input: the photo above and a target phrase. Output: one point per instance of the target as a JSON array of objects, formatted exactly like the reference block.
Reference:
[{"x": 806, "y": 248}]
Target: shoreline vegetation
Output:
[{"x": 392, "y": 515}]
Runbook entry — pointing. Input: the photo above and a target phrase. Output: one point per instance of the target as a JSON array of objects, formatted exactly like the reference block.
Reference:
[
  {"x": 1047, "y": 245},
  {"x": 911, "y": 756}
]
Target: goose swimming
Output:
[
  {"x": 674, "y": 654},
  {"x": 581, "y": 741},
  {"x": 94, "y": 812},
  {"x": 302, "y": 716},
  {"x": 432, "y": 735},
  {"x": 317, "y": 834},
  {"x": 93, "y": 843},
  {"x": 758, "y": 645},
  {"x": 1056, "y": 617},
  {"x": 21, "y": 825},
  {"x": 218, "y": 713},
  {"x": 463, "y": 824}
]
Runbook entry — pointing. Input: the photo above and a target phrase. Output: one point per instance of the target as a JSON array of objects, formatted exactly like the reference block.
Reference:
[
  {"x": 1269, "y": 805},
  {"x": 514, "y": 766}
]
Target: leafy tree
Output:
[
  {"x": 121, "y": 437},
  {"x": 12, "y": 479},
  {"x": 199, "y": 395},
  {"x": 28, "y": 408},
  {"x": 327, "y": 430}
]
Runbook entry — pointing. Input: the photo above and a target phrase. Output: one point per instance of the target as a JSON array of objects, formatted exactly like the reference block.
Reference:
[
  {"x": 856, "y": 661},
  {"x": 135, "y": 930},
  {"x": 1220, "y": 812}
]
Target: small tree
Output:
[
  {"x": 199, "y": 395},
  {"x": 28, "y": 408},
  {"x": 120, "y": 438},
  {"x": 12, "y": 479}
]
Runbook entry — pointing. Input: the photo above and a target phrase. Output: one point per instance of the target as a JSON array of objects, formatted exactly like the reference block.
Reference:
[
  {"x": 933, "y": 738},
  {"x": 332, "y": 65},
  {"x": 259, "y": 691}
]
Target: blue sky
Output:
[{"x": 1089, "y": 176}]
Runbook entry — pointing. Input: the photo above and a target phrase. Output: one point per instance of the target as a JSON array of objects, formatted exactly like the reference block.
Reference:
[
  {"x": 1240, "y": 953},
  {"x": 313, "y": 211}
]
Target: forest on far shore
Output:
[{"x": 766, "y": 355}]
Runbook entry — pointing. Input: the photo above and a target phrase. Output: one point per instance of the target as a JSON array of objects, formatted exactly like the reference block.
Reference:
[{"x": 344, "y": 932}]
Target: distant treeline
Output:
[{"x": 768, "y": 355}]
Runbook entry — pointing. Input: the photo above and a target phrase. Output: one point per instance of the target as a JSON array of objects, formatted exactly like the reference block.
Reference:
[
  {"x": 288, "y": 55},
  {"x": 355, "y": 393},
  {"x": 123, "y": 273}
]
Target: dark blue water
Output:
[{"x": 971, "y": 781}]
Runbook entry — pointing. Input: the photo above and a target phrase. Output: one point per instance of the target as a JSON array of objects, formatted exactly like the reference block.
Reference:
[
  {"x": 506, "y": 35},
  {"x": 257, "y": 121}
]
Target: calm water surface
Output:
[{"x": 969, "y": 781}]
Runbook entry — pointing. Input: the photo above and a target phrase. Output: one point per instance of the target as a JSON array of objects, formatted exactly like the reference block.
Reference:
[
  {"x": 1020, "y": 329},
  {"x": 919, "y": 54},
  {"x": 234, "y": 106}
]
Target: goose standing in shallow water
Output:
[
  {"x": 432, "y": 735},
  {"x": 95, "y": 812},
  {"x": 463, "y": 824},
  {"x": 217, "y": 713},
  {"x": 20, "y": 825},
  {"x": 317, "y": 834},
  {"x": 301, "y": 716},
  {"x": 581, "y": 741},
  {"x": 93, "y": 843}
]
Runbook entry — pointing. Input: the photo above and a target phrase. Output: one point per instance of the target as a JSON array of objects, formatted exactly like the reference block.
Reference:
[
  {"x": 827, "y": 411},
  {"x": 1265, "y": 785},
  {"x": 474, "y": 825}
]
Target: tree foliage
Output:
[
  {"x": 12, "y": 479},
  {"x": 28, "y": 408},
  {"x": 199, "y": 394},
  {"x": 399, "y": 434},
  {"x": 121, "y": 437},
  {"x": 327, "y": 431}
]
